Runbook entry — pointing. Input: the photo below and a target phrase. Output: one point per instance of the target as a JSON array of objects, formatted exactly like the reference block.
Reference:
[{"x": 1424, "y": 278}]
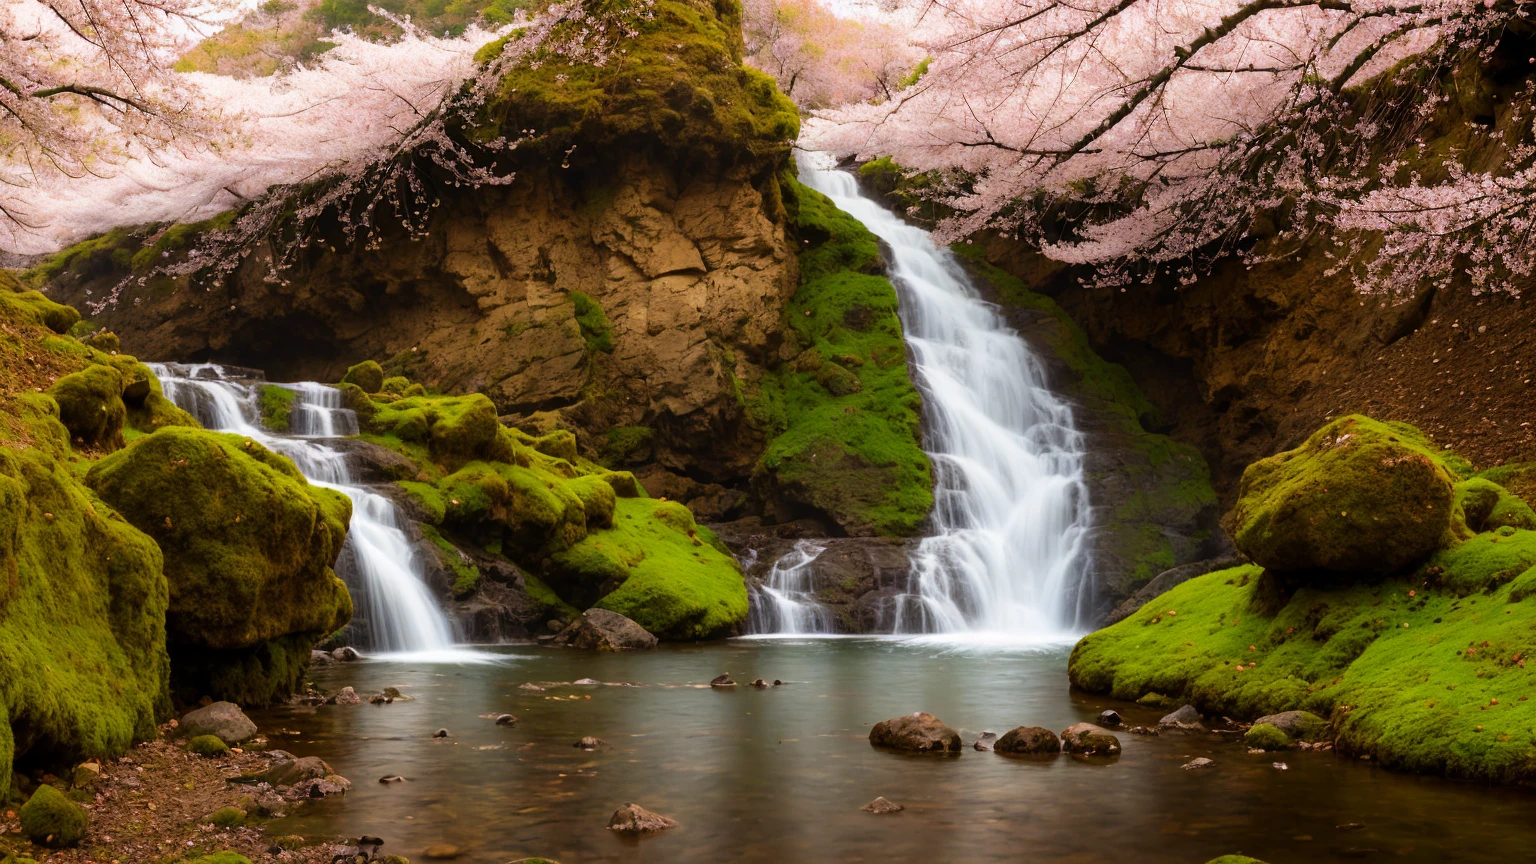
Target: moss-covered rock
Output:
[
  {"x": 368, "y": 375},
  {"x": 1358, "y": 496},
  {"x": 454, "y": 429},
  {"x": 842, "y": 419},
  {"x": 1483, "y": 505},
  {"x": 223, "y": 858},
  {"x": 52, "y": 820},
  {"x": 276, "y": 406},
  {"x": 225, "y": 817},
  {"x": 207, "y": 745},
  {"x": 1263, "y": 736},
  {"x": 249, "y": 549},
  {"x": 91, "y": 406}
]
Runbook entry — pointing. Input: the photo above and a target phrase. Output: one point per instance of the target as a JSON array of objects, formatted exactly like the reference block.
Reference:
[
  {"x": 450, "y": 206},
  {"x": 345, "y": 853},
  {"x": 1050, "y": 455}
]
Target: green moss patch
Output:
[
  {"x": 52, "y": 820},
  {"x": 276, "y": 406},
  {"x": 207, "y": 745},
  {"x": 843, "y": 418},
  {"x": 593, "y": 321}
]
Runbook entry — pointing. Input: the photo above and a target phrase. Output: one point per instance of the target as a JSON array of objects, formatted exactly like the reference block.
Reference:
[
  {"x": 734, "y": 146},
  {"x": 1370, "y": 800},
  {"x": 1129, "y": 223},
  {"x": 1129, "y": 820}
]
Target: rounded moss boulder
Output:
[
  {"x": 91, "y": 406},
  {"x": 1265, "y": 736},
  {"x": 1484, "y": 505},
  {"x": 52, "y": 820},
  {"x": 223, "y": 858},
  {"x": 1358, "y": 496},
  {"x": 249, "y": 544},
  {"x": 368, "y": 375},
  {"x": 207, "y": 745}
]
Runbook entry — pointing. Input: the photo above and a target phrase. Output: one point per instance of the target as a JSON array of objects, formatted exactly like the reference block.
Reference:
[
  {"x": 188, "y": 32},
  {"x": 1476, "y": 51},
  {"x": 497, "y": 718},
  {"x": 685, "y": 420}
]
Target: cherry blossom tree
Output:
[
  {"x": 821, "y": 59},
  {"x": 1142, "y": 136}
]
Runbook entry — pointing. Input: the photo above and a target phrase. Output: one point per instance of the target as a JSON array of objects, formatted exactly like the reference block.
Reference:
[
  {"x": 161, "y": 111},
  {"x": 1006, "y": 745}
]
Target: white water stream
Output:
[
  {"x": 378, "y": 562},
  {"x": 1007, "y": 559}
]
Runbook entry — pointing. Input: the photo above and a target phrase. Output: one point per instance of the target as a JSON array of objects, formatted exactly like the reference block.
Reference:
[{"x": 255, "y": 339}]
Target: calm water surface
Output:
[{"x": 779, "y": 775}]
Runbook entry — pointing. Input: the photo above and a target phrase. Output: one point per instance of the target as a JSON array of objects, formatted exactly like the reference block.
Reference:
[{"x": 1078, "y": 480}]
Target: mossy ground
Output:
[
  {"x": 1417, "y": 677},
  {"x": 843, "y": 418},
  {"x": 582, "y": 534}
]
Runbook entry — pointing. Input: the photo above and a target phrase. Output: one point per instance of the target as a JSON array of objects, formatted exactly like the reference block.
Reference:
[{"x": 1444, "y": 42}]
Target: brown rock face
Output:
[
  {"x": 1029, "y": 741},
  {"x": 691, "y": 273},
  {"x": 921, "y": 732}
]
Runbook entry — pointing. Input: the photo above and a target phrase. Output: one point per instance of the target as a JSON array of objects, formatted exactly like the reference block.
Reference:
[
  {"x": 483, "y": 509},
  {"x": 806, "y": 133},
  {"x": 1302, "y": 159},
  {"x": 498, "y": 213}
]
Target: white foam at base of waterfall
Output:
[
  {"x": 402, "y": 618},
  {"x": 1006, "y": 562}
]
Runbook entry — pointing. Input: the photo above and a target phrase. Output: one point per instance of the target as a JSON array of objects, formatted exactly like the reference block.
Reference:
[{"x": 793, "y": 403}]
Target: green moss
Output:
[
  {"x": 249, "y": 549},
  {"x": 207, "y": 745},
  {"x": 455, "y": 429},
  {"x": 52, "y": 820},
  {"x": 466, "y": 576},
  {"x": 223, "y": 858},
  {"x": 1234, "y": 859},
  {"x": 1266, "y": 737},
  {"x": 593, "y": 321},
  {"x": 91, "y": 406},
  {"x": 1483, "y": 562},
  {"x": 627, "y": 445},
  {"x": 368, "y": 375},
  {"x": 276, "y": 406},
  {"x": 678, "y": 83},
  {"x": 1417, "y": 678},
  {"x": 177, "y": 237},
  {"x": 225, "y": 817},
  {"x": 842, "y": 420},
  {"x": 1357, "y": 496},
  {"x": 34, "y": 308},
  {"x": 85, "y": 259},
  {"x": 1483, "y": 505}
]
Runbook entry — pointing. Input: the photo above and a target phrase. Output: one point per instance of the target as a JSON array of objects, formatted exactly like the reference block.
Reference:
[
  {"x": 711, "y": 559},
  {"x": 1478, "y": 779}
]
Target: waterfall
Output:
[
  {"x": 1007, "y": 555},
  {"x": 784, "y": 603},
  {"x": 379, "y": 564}
]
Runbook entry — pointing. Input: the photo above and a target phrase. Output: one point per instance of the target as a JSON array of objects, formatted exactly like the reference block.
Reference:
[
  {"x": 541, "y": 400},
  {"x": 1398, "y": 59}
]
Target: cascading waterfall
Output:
[
  {"x": 378, "y": 562},
  {"x": 1011, "y": 514},
  {"x": 784, "y": 603}
]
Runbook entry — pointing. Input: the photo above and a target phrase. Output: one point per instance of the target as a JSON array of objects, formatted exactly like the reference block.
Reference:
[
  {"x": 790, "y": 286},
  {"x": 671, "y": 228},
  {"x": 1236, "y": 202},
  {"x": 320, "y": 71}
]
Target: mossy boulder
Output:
[
  {"x": 1263, "y": 736},
  {"x": 223, "y": 858},
  {"x": 249, "y": 549},
  {"x": 50, "y": 819},
  {"x": 1358, "y": 496},
  {"x": 225, "y": 817},
  {"x": 91, "y": 406},
  {"x": 1483, "y": 505},
  {"x": 368, "y": 375},
  {"x": 35, "y": 308},
  {"x": 455, "y": 429},
  {"x": 207, "y": 745}
]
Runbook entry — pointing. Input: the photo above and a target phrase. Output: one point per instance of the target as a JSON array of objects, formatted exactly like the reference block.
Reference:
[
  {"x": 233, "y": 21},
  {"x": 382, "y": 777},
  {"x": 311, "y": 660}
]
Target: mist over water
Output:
[
  {"x": 1006, "y": 561},
  {"x": 397, "y": 612}
]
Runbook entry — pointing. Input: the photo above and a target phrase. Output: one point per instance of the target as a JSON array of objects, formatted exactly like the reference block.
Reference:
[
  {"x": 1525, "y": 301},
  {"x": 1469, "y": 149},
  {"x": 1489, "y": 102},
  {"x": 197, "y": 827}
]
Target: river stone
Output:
[
  {"x": 589, "y": 743},
  {"x": 224, "y": 720},
  {"x": 987, "y": 741},
  {"x": 1184, "y": 718},
  {"x": 1030, "y": 740},
  {"x": 348, "y": 696},
  {"x": 293, "y": 772},
  {"x": 442, "y": 852},
  {"x": 1086, "y": 739},
  {"x": 602, "y": 630},
  {"x": 321, "y": 658},
  {"x": 1198, "y": 763},
  {"x": 1298, "y": 725},
  {"x": 506, "y": 720},
  {"x": 634, "y": 819},
  {"x": 921, "y": 732},
  {"x": 722, "y": 681},
  {"x": 346, "y": 654},
  {"x": 1109, "y": 718},
  {"x": 881, "y": 805}
]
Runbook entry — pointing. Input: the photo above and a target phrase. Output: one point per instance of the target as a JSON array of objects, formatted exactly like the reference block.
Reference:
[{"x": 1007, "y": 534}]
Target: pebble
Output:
[
  {"x": 589, "y": 743},
  {"x": 506, "y": 720},
  {"x": 441, "y": 733}
]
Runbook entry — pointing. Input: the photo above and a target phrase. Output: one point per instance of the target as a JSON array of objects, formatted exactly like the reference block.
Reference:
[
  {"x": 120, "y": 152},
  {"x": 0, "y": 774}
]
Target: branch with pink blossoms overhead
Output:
[{"x": 1143, "y": 137}]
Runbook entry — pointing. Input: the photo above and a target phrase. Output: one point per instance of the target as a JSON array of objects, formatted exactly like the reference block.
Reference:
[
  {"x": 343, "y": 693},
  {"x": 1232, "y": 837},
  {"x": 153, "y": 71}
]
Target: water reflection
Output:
[{"x": 779, "y": 775}]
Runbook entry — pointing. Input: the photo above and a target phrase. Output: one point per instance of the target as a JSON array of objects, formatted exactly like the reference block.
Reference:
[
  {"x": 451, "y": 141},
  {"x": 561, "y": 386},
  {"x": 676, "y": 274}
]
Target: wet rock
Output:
[
  {"x": 1086, "y": 739},
  {"x": 1145, "y": 730},
  {"x": 348, "y": 696},
  {"x": 881, "y": 805},
  {"x": 224, "y": 720},
  {"x": 1184, "y": 718},
  {"x": 1297, "y": 725},
  {"x": 346, "y": 654},
  {"x": 1029, "y": 741},
  {"x": 722, "y": 681},
  {"x": 586, "y": 681},
  {"x": 920, "y": 732},
  {"x": 506, "y": 720},
  {"x": 441, "y": 733},
  {"x": 1198, "y": 763},
  {"x": 442, "y": 852},
  {"x": 391, "y": 778},
  {"x": 602, "y": 630},
  {"x": 759, "y": 683},
  {"x": 320, "y": 787},
  {"x": 987, "y": 741},
  {"x": 634, "y": 819},
  {"x": 321, "y": 658},
  {"x": 778, "y": 683},
  {"x": 530, "y": 686},
  {"x": 291, "y": 772},
  {"x": 379, "y": 699},
  {"x": 589, "y": 743},
  {"x": 1110, "y": 719}
]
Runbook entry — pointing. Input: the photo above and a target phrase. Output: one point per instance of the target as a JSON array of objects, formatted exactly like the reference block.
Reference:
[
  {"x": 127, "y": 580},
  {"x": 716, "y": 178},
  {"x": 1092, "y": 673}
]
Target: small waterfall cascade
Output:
[
  {"x": 1007, "y": 558},
  {"x": 784, "y": 604},
  {"x": 397, "y": 612}
]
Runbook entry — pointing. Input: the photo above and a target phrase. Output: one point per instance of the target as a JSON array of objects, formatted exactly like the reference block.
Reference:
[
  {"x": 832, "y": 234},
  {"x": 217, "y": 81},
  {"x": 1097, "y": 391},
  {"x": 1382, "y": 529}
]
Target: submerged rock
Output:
[
  {"x": 346, "y": 654},
  {"x": 1086, "y": 739},
  {"x": 987, "y": 741},
  {"x": 759, "y": 683},
  {"x": 348, "y": 696},
  {"x": 223, "y": 720},
  {"x": 1109, "y": 719},
  {"x": 920, "y": 732},
  {"x": 587, "y": 742},
  {"x": 506, "y": 720},
  {"x": 1198, "y": 763},
  {"x": 602, "y": 630},
  {"x": 1358, "y": 496},
  {"x": 1029, "y": 740},
  {"x": 442, "y": 852},
  {"x": 441, "y": 733},
  {"x": 634, "y": 819},
  {"x": 881, "y": 805},
  {"x": 722, "y": 681}
]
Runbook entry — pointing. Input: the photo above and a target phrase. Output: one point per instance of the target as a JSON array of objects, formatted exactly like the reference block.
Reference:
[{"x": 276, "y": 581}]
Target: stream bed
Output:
[{"x": 779, "y": 775}]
